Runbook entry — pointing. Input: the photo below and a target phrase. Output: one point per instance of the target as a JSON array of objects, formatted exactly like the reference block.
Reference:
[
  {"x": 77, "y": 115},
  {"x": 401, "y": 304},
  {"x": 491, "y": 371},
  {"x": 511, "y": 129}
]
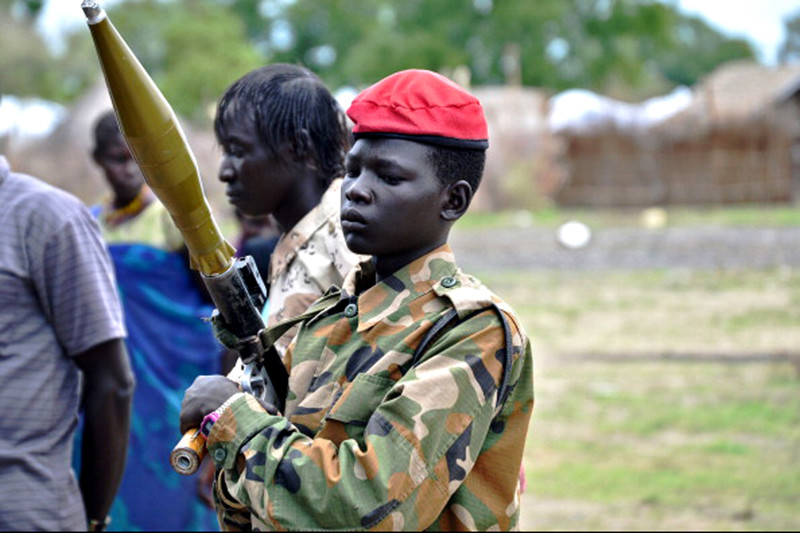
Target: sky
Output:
[
  {"x": 60, "y": 16},
  {"x": 761, "y": 21}
]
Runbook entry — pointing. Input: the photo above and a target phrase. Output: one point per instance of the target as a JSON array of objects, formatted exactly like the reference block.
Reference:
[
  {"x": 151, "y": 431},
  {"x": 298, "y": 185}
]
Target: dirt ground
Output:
[{"x": 537, "y": 248}]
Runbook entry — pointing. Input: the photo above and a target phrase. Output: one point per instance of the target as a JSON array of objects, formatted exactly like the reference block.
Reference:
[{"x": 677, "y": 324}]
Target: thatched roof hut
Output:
[
  {"x": 520, "y": 163},
  {"x": 739, "y": 94},
  {"x": 733, "y": 143}
]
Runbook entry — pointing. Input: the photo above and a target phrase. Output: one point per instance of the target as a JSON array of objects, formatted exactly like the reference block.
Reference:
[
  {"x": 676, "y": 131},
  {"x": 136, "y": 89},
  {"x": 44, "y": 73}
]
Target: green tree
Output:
[
  {"x": 29, "y": 9},
  {"x": 698, "y": 51},
  {"x": 640, "y": 47},
  {"x": 193, "y": 49},
  {"x": 25, "y": 59}
]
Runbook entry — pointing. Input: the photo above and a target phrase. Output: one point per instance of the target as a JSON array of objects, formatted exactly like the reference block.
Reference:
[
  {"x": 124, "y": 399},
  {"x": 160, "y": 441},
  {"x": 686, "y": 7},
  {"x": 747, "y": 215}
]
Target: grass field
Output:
[
  {"x": 655, "y": 445},
  {"x": 657, "y": 312},
  {"x": 665, "y": 400}
]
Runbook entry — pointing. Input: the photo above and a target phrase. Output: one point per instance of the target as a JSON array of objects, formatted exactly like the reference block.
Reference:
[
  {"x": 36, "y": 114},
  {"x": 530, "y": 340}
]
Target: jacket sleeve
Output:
[{"x": 390, "y": 452}]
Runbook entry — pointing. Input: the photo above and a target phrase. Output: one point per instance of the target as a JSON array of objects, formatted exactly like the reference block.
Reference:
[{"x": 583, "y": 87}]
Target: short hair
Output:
[
  {"x": 453, "y": 164},
  {"x": 286, "y": 100},
  {"x": 106, "y": 131}
]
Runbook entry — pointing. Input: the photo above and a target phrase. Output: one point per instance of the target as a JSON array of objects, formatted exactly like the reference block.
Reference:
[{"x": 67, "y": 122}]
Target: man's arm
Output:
[{"x": 107, "y": 395}]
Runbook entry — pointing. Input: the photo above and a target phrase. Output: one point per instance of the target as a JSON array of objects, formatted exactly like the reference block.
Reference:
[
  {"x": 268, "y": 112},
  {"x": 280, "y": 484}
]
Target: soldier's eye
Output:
[{"x": 391, "y": 179}]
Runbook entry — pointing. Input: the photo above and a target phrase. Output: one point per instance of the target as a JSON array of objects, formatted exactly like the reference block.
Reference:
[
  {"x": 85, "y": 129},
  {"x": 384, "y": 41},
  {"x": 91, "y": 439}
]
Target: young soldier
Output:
[
  {"x": 411, "y": 389},
  {"x": 284, "y": 138}
]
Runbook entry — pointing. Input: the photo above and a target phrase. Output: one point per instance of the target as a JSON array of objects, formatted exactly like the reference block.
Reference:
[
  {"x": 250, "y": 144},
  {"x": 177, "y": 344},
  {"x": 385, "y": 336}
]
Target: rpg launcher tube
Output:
[{"x": 158, "y": 145}]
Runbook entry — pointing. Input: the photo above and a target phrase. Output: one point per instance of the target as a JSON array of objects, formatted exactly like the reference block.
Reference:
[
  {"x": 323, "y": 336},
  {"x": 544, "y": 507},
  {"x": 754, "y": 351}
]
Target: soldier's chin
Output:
[{"x": 357, "y": 243}]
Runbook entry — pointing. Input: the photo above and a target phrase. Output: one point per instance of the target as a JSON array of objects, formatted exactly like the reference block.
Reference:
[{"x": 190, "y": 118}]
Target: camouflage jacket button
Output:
[
  {"x": 219, "y": 455},
  {"x": 449, "y": 282},
  {"x": 351, "y": 310}
]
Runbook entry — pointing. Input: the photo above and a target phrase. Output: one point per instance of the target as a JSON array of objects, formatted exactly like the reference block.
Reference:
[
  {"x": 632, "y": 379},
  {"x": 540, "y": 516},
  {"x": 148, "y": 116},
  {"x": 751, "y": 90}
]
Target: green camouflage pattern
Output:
[{"x": 371, "y": 442}]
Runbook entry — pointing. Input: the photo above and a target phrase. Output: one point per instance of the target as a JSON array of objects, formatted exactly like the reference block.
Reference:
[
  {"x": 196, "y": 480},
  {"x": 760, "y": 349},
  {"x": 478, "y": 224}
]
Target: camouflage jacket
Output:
[
  {"x": 307, "y": 260},
  {"x": 371, "y": 438}
]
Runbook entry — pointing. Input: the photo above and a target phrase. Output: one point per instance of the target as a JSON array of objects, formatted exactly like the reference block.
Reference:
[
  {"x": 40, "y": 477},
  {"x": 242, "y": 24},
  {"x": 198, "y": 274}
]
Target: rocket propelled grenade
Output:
[{"x": 158, "y": 145}]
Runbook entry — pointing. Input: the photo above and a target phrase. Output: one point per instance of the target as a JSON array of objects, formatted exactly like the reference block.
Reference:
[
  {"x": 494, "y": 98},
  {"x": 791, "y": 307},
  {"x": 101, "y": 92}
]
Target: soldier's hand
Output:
[{"x": 205, "y": 395}]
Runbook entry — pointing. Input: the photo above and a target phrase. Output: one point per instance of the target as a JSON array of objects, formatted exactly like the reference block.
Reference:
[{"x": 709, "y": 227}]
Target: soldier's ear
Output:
[{"x": 457, "y": 198}]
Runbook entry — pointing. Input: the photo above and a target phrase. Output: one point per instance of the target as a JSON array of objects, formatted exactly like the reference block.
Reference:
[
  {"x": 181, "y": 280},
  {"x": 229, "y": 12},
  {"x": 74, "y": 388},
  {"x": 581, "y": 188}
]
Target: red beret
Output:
[{"x": 422, "y": 106}]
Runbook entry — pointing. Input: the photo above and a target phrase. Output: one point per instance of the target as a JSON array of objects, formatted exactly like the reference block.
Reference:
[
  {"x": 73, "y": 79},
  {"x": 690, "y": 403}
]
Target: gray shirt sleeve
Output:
[{"x": 76, "y": 284}]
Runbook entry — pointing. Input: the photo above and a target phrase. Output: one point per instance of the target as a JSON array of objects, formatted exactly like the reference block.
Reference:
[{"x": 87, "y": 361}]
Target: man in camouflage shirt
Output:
[
  {"x": 284, "y": 138},
  {"x": 411, "y": 388}
]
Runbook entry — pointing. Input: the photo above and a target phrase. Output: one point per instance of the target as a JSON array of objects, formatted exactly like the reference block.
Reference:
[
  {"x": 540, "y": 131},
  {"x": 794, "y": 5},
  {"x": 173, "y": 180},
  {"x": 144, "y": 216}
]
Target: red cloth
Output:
[{"x": 423, "y": 106}]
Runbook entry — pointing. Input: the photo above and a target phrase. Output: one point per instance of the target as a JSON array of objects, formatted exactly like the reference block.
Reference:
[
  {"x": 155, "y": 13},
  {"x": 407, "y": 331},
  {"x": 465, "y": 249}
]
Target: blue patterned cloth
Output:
[{"x": 169, "y": 345}]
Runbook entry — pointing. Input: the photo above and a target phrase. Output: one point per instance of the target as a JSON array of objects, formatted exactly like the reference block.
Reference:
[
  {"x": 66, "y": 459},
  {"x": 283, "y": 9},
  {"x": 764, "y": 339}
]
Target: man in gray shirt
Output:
[{"x": 61, "y": 349}]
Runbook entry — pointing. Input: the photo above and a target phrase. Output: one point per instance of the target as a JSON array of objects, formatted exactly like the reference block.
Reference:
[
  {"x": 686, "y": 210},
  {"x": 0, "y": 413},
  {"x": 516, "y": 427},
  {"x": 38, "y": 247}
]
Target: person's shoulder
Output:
[
  {"x": 468, "y": 294},
  {"x": 465, "y": 292},
  {"x": 44, "y": 198},
  {"x": 37, "y": 187},
  {"x": 331, "y": 202}
]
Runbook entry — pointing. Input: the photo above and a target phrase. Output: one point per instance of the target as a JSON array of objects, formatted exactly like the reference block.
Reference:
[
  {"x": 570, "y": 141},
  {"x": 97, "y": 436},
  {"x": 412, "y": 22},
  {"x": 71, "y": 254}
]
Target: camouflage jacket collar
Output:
[
  {"x": 375, "y": 302},
  {"x": 297, "y": 237}
]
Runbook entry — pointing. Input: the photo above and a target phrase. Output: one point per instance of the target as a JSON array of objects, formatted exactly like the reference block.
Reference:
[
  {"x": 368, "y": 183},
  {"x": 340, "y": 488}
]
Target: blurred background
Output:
[{"x": 639, "y": 209}]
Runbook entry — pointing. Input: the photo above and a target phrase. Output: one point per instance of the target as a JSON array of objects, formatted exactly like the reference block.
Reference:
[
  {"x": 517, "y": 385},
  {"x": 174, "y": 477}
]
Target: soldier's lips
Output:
[
  {"x": 352, "y": 219},
  {"x": 233, "y": 197}
]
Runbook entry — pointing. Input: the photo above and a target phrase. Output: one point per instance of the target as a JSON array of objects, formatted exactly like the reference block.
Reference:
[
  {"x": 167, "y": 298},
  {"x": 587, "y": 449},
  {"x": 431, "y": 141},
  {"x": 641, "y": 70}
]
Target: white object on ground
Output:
[{"x": 574, "y": 234}]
